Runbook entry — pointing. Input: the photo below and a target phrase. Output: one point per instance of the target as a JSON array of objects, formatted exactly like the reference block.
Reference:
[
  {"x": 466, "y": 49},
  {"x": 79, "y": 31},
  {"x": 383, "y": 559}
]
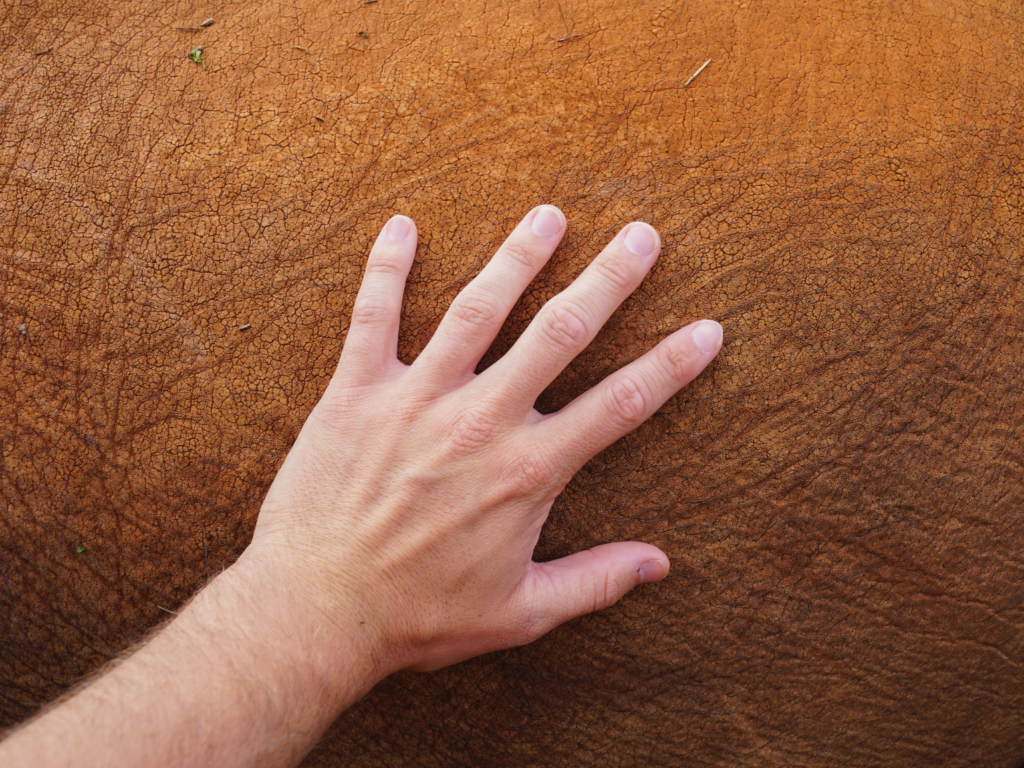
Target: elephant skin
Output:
[{"x": 840, "y": 493}]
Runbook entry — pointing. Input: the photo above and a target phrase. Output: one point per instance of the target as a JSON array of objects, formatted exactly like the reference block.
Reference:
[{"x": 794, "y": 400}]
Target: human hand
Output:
[{"x": 408, "y": 510}]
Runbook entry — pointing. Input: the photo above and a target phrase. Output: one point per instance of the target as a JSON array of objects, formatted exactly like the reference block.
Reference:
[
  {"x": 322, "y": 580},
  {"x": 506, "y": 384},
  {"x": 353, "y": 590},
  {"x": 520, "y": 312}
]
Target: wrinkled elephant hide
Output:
[{"x": 840, "y": 493}]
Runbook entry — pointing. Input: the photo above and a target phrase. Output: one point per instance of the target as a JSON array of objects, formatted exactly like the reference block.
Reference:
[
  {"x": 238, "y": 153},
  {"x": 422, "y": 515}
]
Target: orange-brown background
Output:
[{"x": 840, "y": 493}]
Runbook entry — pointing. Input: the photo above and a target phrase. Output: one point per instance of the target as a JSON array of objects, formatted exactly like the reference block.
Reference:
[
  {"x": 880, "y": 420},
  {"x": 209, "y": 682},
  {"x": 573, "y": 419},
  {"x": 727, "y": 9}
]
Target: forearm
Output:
[{"x": 230, "y": 682}]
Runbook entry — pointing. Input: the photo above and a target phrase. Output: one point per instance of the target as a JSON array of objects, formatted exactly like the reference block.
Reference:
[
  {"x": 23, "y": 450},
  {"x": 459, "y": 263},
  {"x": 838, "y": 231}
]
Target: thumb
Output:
[{"x": 587, "y": 581}]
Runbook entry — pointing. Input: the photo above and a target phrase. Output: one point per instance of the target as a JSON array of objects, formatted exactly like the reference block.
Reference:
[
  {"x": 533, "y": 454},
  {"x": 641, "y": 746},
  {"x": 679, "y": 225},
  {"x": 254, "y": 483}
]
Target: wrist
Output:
[{"x": 307, "y": 633}]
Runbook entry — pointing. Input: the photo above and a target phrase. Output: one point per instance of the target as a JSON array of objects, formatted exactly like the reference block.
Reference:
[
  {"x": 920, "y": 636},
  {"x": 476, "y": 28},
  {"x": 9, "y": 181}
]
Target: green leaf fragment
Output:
[{"x": 196, "y": 54}]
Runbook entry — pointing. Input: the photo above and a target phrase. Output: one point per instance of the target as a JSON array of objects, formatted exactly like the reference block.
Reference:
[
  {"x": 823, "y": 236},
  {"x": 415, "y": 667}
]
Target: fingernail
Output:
[
  {"x": 652, "y": 570},
  {"x": 707, "y": 335},
  {"x": 641, "y": 239},
  {"x": 546, "y": 222},
  {"x": 398, "y": 228}
]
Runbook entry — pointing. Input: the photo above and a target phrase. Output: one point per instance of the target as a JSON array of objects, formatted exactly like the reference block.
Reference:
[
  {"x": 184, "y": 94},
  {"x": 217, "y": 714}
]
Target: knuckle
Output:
[
  {"x": 617, "y": 273},
  {"x": 564, "y": 326},
  {"x": 630, "y": 400},
  {"x": 476, "y": 310},
  {"x": 472, "y": 429},
  {"x": 530, "y": 472},
  {"x": 532, "y": 626},
  {"x": 339, "y": 404},
  {"x": 371, "y": 311},
  {"x": 520, "y": 252},
  {"x": 526, "y": 632},
  {"x": 679, "y": 361},
  {"x": 384, "y": 265},
  {"x": 606, "y": 592}
]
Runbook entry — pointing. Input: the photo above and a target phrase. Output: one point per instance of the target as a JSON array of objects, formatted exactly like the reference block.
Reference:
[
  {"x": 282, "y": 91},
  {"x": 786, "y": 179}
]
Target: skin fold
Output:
[{"x": 400, "y": 532}]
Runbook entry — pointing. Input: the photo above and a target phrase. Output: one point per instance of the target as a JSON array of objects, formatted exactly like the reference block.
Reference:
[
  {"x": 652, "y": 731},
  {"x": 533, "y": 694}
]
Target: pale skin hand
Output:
[{"x": 399, "y": 534}]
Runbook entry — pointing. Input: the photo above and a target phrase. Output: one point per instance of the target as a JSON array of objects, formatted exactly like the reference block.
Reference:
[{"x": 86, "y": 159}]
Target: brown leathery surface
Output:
[{"x": 840, "y": 493}]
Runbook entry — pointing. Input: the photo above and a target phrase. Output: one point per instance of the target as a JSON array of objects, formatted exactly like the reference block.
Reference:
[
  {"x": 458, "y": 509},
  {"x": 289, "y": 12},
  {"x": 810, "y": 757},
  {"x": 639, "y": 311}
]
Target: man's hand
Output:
[
  {"x": 399, "y": 533},
  {"x": 409, "y": 508}
]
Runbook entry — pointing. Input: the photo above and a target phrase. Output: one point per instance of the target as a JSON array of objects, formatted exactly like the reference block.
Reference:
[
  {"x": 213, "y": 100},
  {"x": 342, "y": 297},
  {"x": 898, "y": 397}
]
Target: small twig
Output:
[
  {"x": 173, "y": 613},
  {"x": 203, "y": 25},
  {"x": 570, "y": 37},
  {"x": 301, "y": 48},
  {"x": 696, "y": 73},
  {"x": 245, "y": 327},
  {"x": 317, "y": 117},
  {"x": 369, "y": 2}
]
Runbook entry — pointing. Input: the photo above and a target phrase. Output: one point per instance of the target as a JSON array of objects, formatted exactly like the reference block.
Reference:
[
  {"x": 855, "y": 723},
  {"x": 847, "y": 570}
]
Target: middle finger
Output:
[
  {"x": 571, "y": 320},
  {"x": 476, "y": 315}
]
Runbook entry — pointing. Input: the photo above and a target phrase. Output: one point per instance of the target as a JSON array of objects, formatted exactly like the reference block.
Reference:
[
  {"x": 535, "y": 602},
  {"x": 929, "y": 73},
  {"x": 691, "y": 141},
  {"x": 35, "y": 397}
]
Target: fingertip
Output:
[
  {"x": 398, "y": 227},
  {"x": 547, "y": 221},
  {"x": 653, "y": 570},
  {"x": 707, "y": 335},
  {"x": 642, "y": 239}
]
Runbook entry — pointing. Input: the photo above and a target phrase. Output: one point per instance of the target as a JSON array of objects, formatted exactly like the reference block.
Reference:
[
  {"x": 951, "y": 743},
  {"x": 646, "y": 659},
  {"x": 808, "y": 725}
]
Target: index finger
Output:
[{"x": 371, "y": 344}]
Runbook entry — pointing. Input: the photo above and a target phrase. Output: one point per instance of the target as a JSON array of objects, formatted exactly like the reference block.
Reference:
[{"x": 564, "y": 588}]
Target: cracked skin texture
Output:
[{"x": 840, "y": 493}]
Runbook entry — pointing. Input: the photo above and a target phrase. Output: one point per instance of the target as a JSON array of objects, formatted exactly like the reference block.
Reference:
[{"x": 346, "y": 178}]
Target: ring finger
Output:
[{"x": 477, "y": 314}]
